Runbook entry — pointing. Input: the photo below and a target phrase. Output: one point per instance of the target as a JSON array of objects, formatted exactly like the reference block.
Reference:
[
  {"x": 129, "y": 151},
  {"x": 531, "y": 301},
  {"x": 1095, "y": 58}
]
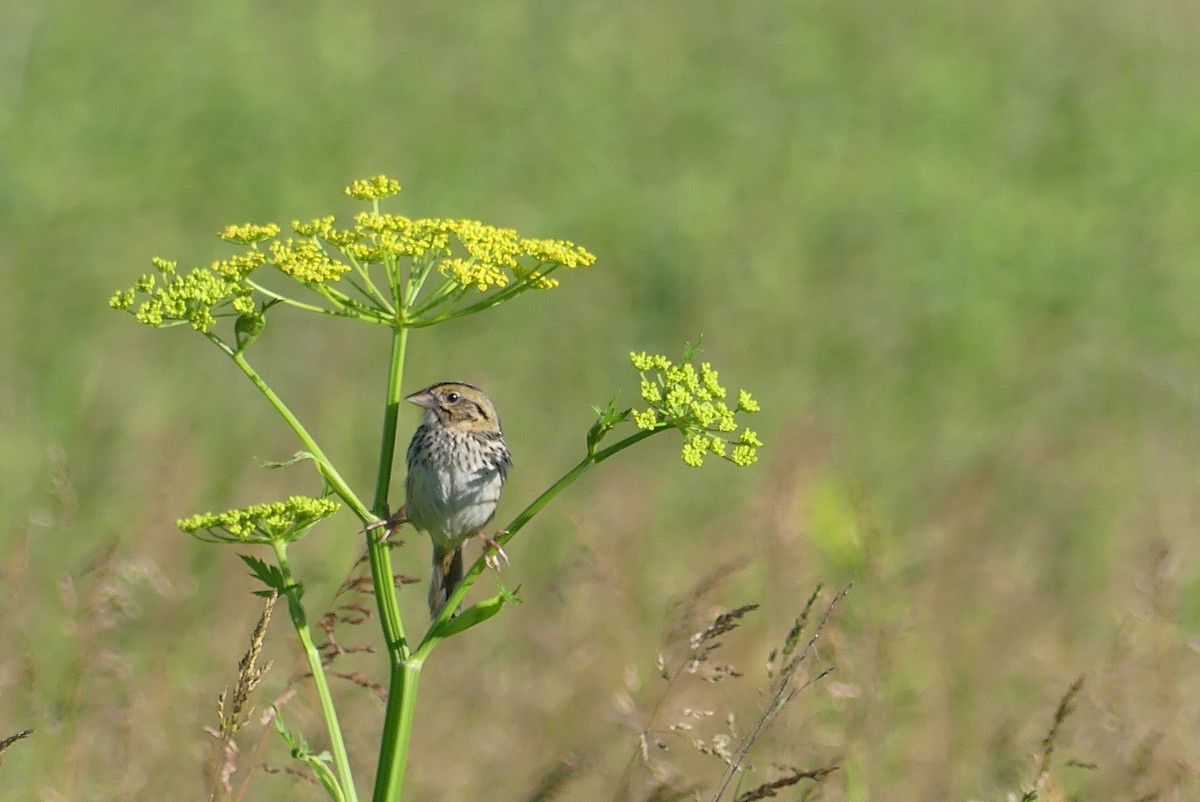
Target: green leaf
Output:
[
  {"x": 269, "y": 575},
  {"x": 478, "y": 613},
  {"x": 318, "y": 764},
  {"x": 606, "y": 419},
  {"x": 690, "y": 350},
  {"x": 294, "y": 740}
]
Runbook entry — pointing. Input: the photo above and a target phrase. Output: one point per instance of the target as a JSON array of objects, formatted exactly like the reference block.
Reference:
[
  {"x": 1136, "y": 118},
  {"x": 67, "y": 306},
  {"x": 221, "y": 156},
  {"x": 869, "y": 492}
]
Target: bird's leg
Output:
[
  {"x": 492, "y": 552},
  {"x": 389, "y": 524}
]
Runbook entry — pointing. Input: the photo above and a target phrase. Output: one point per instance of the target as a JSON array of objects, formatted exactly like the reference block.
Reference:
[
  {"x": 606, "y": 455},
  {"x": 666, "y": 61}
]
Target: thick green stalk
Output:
[
  {"x": 398, "y": 724},
  {"x": 300, "y": 621},
  {"x": 397, "y": 719}
]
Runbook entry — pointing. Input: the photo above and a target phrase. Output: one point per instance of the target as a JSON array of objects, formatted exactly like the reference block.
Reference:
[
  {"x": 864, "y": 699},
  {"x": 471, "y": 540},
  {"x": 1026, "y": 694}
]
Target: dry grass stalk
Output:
[
  {"x": 12, "y": 739},
  {"x": 784, "y": 687},
  {"x": 271, "y": 768},
  {"x": 363, "y": 682},
  {"x": 791, "y": 777},
  {"x": 234, "y": 710},
  {"x": 696, "y": 642},
  {"x": 1064, "y": 709}
]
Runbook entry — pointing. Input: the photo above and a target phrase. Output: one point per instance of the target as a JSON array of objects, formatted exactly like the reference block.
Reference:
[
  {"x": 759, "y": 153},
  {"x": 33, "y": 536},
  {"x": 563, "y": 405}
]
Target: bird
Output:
[{"x": 457, "y": 464}]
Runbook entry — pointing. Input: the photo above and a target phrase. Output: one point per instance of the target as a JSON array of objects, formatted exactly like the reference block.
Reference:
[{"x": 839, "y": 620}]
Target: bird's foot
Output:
[
  {"x": 493, "y": 554},
  {"x": 389, "y": 524}
]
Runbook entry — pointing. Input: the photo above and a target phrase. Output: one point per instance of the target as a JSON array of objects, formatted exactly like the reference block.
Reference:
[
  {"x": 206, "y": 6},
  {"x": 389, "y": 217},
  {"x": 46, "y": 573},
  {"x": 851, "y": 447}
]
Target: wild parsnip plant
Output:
[{"x": 401, "y": 274}]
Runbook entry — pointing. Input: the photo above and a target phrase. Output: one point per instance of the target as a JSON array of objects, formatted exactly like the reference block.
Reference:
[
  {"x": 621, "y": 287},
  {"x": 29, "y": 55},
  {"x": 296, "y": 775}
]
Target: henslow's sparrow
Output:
[{"x": 457, "y": 463}]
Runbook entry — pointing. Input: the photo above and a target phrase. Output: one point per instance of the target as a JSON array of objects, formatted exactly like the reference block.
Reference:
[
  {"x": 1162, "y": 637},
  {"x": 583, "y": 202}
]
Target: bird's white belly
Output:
[{"x": 451, "y": 505}]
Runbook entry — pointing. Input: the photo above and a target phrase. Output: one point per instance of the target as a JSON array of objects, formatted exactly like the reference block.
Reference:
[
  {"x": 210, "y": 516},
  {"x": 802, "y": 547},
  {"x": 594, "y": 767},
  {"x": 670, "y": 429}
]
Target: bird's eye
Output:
[{"x": 452, "y": 397}]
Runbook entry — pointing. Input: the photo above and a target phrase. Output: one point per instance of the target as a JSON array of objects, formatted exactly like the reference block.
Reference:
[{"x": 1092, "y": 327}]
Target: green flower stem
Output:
[
  {"x": 397, "y": 721},
  {"x": 328, "y": 472},
  {"x": 447, "y": 293},
  {"x": 392, "y": 270},
  {"x": 369, "y": 291},
  {"x": 300, "y": 622},
  {"x": 368, "y": 288},
  {"x": 509, "y": 292},
  {"x": 290, "y": 301},
  {"x": 348, "y": 306},
  {"x": 431, "y": 639},
  {"x": 421, "y": 268}
]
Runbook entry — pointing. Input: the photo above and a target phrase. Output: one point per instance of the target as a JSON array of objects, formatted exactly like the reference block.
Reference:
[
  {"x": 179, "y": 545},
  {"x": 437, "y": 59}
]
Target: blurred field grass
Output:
[{"x": 952, "y": 247}]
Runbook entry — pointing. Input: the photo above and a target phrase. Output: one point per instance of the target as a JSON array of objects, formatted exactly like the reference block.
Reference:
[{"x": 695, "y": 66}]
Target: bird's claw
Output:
[
  {"x": 493, "y": 552},
  {"x": 389, "y": 524}
]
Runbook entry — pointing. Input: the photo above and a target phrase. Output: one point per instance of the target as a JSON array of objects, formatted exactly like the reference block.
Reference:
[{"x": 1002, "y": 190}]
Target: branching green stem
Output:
[
  {"x": 291, "y": 301},
  {"x": 433, "y": 636}
]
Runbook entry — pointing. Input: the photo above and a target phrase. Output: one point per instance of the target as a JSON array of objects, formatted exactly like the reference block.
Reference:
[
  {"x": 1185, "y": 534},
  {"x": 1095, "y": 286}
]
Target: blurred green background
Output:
[{"x": 952, "y": 247}]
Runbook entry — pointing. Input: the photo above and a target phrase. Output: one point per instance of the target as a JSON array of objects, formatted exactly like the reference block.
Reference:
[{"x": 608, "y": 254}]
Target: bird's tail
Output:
[{"x": 444, "y": 577}]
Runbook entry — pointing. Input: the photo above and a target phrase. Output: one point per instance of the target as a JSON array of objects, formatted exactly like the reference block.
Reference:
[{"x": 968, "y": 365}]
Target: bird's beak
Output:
[{"x": 422, "y": 399}]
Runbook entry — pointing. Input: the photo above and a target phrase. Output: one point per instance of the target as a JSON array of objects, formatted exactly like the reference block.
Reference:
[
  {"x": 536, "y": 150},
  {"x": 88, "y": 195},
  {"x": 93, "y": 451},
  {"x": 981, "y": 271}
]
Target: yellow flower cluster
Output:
[
  {"x": 239, "y": 266},
  {"x": 693, "y": 401},
  {"x": 322, "y": 227},
  {"x": 535, "y": 277},
  {"x": 188, "y": 298},
  {"x": 305, "y": 260},
  {"x": 558, "y": 252},
  {"x": 469, "y": 254},
  {"x": 248, "y": 233},
  {"x": 470, "y": 273},
  {"x": 378, "y": 237},
  {"x": 374, "y": 188},
  {"x": 491, "y": 253},
  {"x": 261, "y": 523},
  {"x": 500, "y": 246}
]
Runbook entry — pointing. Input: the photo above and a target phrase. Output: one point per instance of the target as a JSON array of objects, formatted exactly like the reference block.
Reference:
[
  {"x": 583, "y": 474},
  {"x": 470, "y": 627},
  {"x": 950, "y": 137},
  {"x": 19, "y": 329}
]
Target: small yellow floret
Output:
[
  {"x": 641, "y": 360},
  {"x": 304, "y": 260},
  {"x": 646, "y": 419},
  {"x": 470, "y": 273},
  {"x": 241, "y": 265},
  {"x": 121, "y": 299},
  {"x": 746, "y": 402},
  {"x": 535, "y": 278},
  {"x": 694, "y": 450},
  {"x": 486, "y": 243}
]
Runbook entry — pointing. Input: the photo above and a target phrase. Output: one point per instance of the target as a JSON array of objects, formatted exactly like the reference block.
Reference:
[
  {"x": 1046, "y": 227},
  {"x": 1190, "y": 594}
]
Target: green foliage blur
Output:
[{"x": 953, "y": 248}]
